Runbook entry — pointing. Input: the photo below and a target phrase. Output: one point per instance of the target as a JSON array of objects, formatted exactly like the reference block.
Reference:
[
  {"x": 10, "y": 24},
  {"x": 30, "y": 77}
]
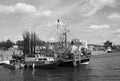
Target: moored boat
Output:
[
  {"x": 65, "y": 51},
  {"x": 70, "y": 52},
  {"x": 34, "y": 61},
  {"x": 13, "y": 64}
]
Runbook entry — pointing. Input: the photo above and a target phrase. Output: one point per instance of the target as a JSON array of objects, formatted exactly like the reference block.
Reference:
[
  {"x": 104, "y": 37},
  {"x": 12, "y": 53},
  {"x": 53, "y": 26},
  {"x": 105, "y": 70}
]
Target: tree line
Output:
[
  {"x": 27, "y": 45},
  {"x": 5, "y": 45}
]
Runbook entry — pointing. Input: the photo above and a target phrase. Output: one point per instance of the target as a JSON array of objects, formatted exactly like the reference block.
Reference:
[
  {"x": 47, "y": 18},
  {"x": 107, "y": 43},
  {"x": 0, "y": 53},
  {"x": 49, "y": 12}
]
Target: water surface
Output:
[{"x": 101, "y": 68}]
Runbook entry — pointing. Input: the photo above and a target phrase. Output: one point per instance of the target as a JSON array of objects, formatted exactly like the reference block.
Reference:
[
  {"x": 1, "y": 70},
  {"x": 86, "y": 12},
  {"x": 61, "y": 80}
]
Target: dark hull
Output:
[
  {"x": 1, "y": 63},
  {"x": 85, "y": 60},
  {"x": 70, "y": 63},
  {"x": 10, "y": 66},
  {"x": 38, "y": 64},
  {"x": 67, "y": 64}
]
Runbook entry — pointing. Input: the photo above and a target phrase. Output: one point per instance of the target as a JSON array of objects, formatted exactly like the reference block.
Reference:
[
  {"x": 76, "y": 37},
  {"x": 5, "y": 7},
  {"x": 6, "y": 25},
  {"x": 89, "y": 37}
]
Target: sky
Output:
[{"x": 94, "y": 21}]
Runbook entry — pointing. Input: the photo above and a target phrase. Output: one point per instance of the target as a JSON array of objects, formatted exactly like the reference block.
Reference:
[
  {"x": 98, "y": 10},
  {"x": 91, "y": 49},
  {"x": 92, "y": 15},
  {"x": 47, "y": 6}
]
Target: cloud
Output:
[
  {"x": 114, "y": 16},
  {"x": 47, "y": 13},
  {"x": 50, "y": 24},
  {"x": 23, "y": 8},
  {"x": 92, "y": 6},
  {"x": 105, "y": 26},
  {"x": 19, "y": 7},
  {"x": 27, "y": 8},
  {"x": 117, "y": 31},
  {"x": 101, "y": 2}
]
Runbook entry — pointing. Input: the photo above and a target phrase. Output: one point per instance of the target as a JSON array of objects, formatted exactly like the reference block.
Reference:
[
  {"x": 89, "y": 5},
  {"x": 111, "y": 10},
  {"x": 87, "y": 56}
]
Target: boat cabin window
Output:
[
  {"x": 30, "y": 55},
  {"x": 42, "y": 59}
]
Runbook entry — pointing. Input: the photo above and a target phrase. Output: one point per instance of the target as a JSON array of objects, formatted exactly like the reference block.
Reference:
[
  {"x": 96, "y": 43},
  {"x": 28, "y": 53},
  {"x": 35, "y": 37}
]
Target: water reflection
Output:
[
  {"x": 81, "y": 73},
  {"x": 59, "y": 74}
]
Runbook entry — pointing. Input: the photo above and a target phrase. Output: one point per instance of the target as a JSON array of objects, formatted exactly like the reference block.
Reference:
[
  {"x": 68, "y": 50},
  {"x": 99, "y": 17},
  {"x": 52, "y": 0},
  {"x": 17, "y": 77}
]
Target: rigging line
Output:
[
  {"x": 51, "y": 33},
  {"x": 72, "y": 34},
  {"x": 69, "y": 37}
]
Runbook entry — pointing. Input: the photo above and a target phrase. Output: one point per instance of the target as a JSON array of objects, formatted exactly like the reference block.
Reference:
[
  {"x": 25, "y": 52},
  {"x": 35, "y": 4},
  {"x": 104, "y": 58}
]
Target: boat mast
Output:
[
  {"x": 58, "y": 36},
  {"x": 65, "y": 32},
  {"x": 62, "y": 33},
  {"x": 34, "y": 43}
]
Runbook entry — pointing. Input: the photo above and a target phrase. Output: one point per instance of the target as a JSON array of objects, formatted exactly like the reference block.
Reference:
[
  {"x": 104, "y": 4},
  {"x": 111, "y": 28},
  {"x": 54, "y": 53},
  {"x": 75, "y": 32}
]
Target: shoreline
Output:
[
  {"x": 8, "y": 54},
  {"x": 106, "y": 55}
]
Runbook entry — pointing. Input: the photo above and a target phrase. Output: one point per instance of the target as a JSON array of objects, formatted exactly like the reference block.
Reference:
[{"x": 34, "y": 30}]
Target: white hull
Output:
[
  {"x": 4, "y": 62},
  {"x": 85, "y": 63}
]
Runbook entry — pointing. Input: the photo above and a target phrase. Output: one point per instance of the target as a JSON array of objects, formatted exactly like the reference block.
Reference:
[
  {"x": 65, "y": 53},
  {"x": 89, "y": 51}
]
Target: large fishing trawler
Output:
[
  {"x": 66, "y": 52},
  {"x": 71, "y": 52}
]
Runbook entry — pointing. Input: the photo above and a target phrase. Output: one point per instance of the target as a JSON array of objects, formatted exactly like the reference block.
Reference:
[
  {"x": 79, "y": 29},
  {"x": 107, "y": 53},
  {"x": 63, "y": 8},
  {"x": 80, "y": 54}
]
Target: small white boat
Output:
[
  {"x": 33, "y": 60},
  {"x": 4, "y": 61},
  {"x": 13, "y": 64}
]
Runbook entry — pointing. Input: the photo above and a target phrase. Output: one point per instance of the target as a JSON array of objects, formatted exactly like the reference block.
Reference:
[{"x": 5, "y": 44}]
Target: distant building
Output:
[
  {"x": 94, "y": 47},
  {"x": 108, "y": 44}
]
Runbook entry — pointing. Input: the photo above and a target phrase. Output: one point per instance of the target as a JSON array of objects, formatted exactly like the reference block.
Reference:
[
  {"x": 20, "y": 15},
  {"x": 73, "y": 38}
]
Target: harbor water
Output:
[{"x": 105, "y": 67}]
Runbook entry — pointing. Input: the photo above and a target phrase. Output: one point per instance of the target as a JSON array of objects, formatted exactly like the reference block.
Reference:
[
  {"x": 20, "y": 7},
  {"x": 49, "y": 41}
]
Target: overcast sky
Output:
[{"x": 91, "y": 20}]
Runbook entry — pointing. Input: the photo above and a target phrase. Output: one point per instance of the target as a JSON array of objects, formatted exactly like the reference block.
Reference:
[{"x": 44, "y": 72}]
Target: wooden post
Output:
[
  {"x": 74, "y": 60},
  {"x": 79, "y": 59},
  {"x": 74, "y": 63},
  {"x": 33, "y": 66}
]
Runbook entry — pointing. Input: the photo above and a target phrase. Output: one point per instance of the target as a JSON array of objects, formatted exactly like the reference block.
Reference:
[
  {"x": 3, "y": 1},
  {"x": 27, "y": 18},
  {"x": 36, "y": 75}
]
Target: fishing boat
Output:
[
  {"x": 35, "y": 60},
  {"x": 66, "y": 52},
  {"x": 70, "y": 53}
]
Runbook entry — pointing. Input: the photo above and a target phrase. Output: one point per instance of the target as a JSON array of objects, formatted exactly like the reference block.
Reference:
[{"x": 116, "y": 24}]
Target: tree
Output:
[
  {"x": 2, "y": 45},
  {"x": 20, "y": 44},
  {"x": 116, "y": 47},
  {"x": 26, "y": 42},
  {"x": 5, "y": 45},
  {"x": 29, "y": 42}
]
